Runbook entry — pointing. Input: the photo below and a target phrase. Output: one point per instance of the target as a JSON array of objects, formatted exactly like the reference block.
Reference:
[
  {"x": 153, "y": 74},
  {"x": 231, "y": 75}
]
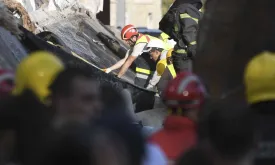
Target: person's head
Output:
[
  {"x": 230, "y": 134},
  {"x": 114, "y": 102},
  {"x": 75, "y": 94},
  {"x": 185, "y": 95},
  {"x": 6, "y": 82},
  {"x": 155, "y": 47},
  {"x": 259, "y": 77},
  {"x": 128, "y": 135},
  {"x": 36, "y": 73},
  {"x": 129, "y": 34}
]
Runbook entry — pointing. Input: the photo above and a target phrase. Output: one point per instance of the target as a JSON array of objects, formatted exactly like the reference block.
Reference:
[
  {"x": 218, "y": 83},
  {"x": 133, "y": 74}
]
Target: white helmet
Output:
[{"x": 154, "y": 43}]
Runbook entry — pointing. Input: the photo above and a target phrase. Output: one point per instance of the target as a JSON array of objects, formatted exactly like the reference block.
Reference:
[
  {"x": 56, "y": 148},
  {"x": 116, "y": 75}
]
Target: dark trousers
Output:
[{"x": 181, "y": 62}]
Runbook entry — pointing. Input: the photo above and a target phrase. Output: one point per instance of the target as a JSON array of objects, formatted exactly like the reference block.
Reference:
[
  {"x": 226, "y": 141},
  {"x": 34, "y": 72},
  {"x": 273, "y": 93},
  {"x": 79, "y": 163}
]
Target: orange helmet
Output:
[{"x": 128, "y": 31}]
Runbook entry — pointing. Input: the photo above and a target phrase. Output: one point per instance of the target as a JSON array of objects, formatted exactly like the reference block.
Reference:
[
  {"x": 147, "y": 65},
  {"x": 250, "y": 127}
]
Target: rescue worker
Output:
[
  {"x": 181, "y": 24},
  {"x": 167, "y": 73},
  {"x": 25, "y": 112},
  {"x": 137, "y": 42},
  {"x": 184, "y": 97},
  {"x": 260, "y": 94},
  {"x": 159, "y": 55}
]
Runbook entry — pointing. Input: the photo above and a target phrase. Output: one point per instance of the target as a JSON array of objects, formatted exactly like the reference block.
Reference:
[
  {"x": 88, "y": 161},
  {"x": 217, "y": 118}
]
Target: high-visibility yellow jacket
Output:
[{"x": 162, "y": 64}]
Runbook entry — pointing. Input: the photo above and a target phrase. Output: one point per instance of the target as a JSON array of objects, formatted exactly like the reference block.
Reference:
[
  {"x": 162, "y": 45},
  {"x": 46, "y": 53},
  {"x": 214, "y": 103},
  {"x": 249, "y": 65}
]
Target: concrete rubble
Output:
[{"x": 74, "y": 23}]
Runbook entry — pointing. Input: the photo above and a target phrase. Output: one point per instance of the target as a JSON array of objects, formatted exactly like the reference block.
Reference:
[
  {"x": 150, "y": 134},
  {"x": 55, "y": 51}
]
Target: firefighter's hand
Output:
[
  {"x": 191, "y": 51},
  {"x": 107, "y": 70},
  {"x": 150, "y": 87}
]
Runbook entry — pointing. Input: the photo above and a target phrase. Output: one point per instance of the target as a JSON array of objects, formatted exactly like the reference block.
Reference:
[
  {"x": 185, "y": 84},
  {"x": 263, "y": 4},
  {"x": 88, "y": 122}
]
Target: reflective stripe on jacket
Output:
[{"x": 141, "y": 72}]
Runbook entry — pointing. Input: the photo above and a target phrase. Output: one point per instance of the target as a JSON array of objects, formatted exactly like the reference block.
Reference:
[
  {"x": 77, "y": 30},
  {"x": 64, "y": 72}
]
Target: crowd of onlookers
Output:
[
  {"x": 53, "y": 113},
  {"x": 56, "y": 114}
]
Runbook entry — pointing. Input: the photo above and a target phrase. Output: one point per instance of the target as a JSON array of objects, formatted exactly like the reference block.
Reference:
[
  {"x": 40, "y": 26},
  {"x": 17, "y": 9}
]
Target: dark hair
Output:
[
  {"x": 28, "y": 125},
  {"x": 230, "y": 130},
  {"x": 72, "y": 145},
  {"x": 129, "y": 133},
  {"x": 195, "y": 156},
  {"x": 62, "y": 84},
  {"x": 264, "y": 107},
  {"x": 113, "y": 101},
  {"x": 116, "y": 118}
]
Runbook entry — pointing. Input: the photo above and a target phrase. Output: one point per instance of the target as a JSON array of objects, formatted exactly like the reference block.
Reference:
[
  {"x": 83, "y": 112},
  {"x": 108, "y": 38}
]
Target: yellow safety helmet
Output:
[
  {"x": 36, "y": 72},
  {"x": 260, "y": 78},
  {"x": 161, "y": 65}
]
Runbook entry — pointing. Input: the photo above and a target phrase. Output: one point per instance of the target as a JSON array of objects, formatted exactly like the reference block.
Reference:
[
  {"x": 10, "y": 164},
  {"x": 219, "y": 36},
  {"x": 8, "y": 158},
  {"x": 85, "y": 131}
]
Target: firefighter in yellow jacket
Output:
[
  {"x": 138, "y": 43},
  {"x": 162, "y": 58}
]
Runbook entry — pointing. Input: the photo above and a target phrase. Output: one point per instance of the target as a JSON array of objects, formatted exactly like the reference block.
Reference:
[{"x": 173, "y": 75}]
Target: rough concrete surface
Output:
[
  {"x": 152, "y": 117},
  {"x": 79, "y": 32},
  {"x": 12, "y": 50}
]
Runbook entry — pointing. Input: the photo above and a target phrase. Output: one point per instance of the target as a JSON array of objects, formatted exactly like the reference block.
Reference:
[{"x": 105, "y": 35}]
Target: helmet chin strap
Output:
[{"x": 132, "y": 42}]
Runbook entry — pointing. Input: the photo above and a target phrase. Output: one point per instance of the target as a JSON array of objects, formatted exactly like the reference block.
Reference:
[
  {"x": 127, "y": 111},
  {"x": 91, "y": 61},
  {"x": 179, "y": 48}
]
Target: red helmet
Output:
[
  {"x": 6, "y": 82},
  {"x": 128, "y": 31},
  {"x": 185, "y": 91}
]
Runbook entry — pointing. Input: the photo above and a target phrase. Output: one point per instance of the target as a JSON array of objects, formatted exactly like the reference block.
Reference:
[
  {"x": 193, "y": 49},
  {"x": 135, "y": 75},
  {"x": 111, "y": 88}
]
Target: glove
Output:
[
  {"x": 107, "y": 70},
  {"x": 191, "y": 51},
  {"x": 150, "y": 87}
]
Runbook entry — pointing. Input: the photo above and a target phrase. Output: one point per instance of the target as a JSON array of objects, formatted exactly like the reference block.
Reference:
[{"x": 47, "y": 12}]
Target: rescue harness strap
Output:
[{"x": 172, "y": 70}]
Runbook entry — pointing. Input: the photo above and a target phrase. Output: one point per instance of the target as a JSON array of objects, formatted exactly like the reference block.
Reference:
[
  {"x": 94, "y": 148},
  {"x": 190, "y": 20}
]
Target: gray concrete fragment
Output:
[
  {"x": 153, "y": 118},
  {"x": 12, "y": 50}
]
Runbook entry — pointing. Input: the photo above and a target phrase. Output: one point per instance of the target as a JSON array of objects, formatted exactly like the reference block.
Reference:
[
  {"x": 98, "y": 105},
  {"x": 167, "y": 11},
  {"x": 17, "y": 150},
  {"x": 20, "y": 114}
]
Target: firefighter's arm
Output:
[
  {"x": 188, "y": 29},
  {"x": 119, "y": 63},
  {"x": 137, "y": 50},
  {"x": 126, "y": 65},
  {"x": 157, "y": 75},
  {"x": 154, "y": 80}
]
